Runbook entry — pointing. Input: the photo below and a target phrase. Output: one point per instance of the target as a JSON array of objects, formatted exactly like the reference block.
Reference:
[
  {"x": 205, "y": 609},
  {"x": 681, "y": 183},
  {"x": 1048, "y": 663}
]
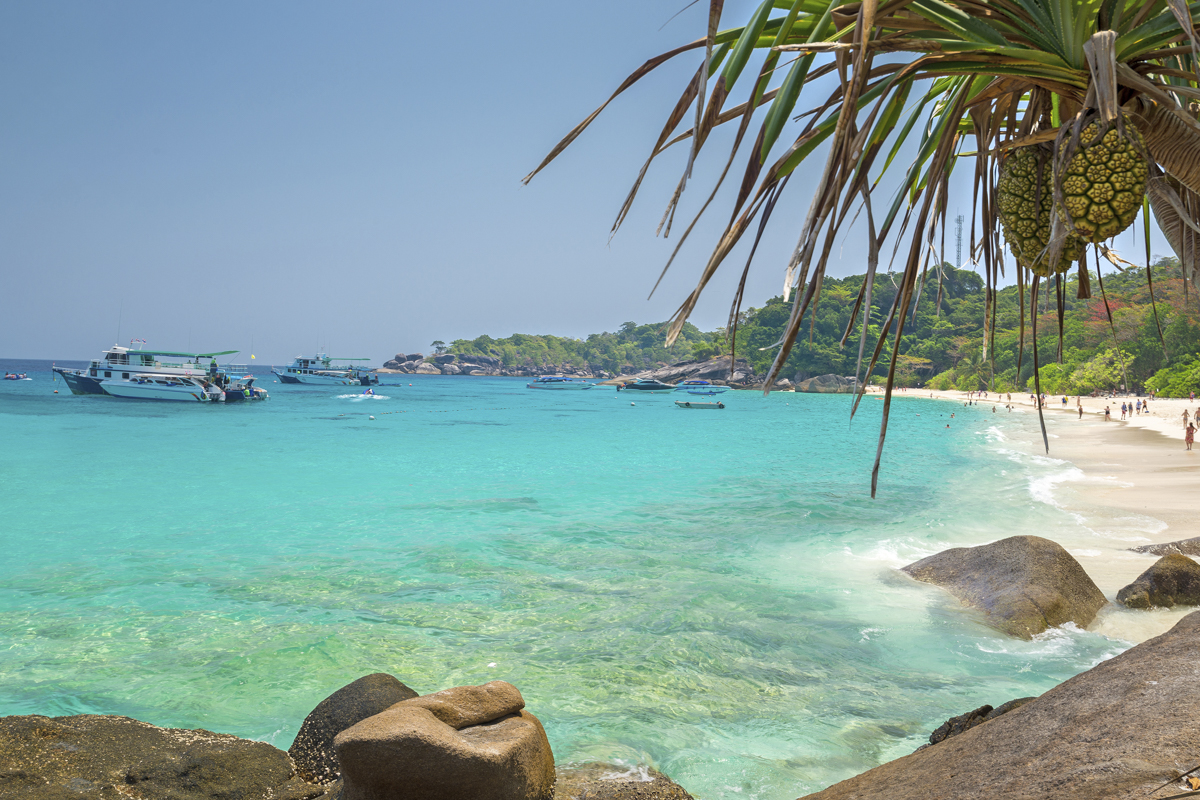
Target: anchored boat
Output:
[
  {"x": 321, "y": 369},
  {"x": 698, "y": 404},
  {"x": 134, "y": 373},
  {"x": 648, "y": 386},
  {"x": 700, "y": 387},
  {"x": 559, "y": 382}
]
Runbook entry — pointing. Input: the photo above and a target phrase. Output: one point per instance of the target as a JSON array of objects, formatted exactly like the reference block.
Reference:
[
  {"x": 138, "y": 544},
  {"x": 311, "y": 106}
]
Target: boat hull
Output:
[
  {"x": 648, "y": 391},
  {"x": 321, "y": 380},
  {"x": 695, "y": 404},
  {"x": 80, "y": 383},
  {"x": 560, "y": 386},
  {"x": 132, "y": 390}
]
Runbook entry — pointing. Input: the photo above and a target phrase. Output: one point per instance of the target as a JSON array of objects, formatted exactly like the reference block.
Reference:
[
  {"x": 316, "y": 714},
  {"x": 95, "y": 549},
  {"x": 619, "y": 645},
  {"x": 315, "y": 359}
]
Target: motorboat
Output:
[
  {"x": 700, "y": 387},
  {"x": 698, "y": 404},
  {"x": 559, "y": 382},
  {"x": 15, "y": 376},
  {"x": 242, "y": 388},
  {"x": 648, "y": 386},
  {"x": 322, "y": 370},
  {"x": 121, "y": 363},
  {"x": 156, "y": 386}
]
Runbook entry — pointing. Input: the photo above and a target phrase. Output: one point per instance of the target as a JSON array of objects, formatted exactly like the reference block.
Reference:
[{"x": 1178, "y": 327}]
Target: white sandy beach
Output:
[{"x": 1133, "y": 485}]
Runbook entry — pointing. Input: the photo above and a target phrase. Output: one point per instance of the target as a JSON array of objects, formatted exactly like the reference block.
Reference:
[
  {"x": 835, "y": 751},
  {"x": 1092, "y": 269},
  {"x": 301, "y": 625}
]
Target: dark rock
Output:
[
  {"x": 313, "y": 750},
  {"x": 1172, "y": 580},
  {"x": 609, "y": 782},
  {"x": 412, "y": 357},
  {"x": 444, "y": 358},
  {"x": 1189, "y": 547},
  {"x": 392, "y": 364},
  {"x": 1023, "y": 584},
  {"x": 467, "y": 743},
  {"x": 115, "y": 758},
  {"x": 964, "y": 722},
  {"x": 1116, "y": 731}
]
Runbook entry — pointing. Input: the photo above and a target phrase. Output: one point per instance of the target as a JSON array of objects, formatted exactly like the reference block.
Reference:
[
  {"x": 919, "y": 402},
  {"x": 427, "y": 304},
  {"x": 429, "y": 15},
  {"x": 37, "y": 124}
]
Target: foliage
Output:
[{"x": 631, "y": 348}]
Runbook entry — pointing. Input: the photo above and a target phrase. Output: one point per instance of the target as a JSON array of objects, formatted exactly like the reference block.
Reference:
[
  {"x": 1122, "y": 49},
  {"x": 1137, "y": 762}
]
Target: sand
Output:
[{"x": 1135, "y": 484}]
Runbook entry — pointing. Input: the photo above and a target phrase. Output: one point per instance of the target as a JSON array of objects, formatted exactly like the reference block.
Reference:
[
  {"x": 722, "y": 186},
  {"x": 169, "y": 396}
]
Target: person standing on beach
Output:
[
  {"x": 1189, "y": 436},
  {"x": 1080, "y": 406},
  {"x": 1107, "y": 413},
  {"x": 1186, "y": 417}
]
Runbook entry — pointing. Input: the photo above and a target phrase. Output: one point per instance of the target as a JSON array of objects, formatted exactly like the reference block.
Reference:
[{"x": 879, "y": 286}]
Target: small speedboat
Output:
[
  {"x": 13, "y": 376},
  {"x": 649, "y": 386},
  {"x": 698, "y": 404},
  {"x": 700, "y": 387},
  {"x": 156, "y": 386},
  {"x": 558, "y": 382}
]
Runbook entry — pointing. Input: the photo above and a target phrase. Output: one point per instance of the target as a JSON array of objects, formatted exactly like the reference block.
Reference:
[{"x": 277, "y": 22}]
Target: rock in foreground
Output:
[
  {"x": 96, "y": 757},
  {"x": 312, "y": 751},
  {"x": 1116, "y": 731},
  {"x": 609, "y": 782},
  {"x": 1023, "y": 584},
  {"x": 827, "y": 384},
  {"x": 466, "y": 743},
  {"x": 1173, "y": 580}
]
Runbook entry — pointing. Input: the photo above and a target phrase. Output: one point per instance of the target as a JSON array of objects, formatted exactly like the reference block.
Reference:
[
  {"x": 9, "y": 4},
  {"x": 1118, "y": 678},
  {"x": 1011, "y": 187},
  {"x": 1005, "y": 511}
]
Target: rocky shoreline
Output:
[
  {"x": 1126, "y": 725},
  {"x": 718, "y": 370}
]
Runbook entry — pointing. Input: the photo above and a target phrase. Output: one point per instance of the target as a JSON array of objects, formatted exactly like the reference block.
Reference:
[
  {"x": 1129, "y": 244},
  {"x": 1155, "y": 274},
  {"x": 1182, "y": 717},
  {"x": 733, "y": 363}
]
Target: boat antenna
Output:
[{"x": 120, "y": 311}]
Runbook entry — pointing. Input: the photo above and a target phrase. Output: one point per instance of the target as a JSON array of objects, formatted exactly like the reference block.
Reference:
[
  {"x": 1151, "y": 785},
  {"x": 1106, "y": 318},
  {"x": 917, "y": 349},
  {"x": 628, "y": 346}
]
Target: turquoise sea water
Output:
[{"x": 711, "y": 593}]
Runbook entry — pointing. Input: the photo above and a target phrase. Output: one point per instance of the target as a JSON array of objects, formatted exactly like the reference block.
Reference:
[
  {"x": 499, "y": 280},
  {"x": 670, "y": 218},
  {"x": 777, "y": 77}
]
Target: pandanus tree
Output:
[{"x": 1073, "y": 116}]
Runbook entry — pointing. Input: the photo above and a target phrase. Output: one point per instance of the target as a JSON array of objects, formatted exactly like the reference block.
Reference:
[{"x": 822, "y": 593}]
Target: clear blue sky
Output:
[{"x": 294, "y": 175}]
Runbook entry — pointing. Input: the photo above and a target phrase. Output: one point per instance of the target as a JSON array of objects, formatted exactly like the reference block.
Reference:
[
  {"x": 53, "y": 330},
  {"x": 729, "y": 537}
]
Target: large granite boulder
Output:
[
  {"x": 451, "y": 369},
  {"x": 826, "y": 384},
  {"x": 466, "y": 743},
  {"x": 596, "y": 781},
  {"x": 97, "y": 757},
  {"x": 444, "y": 358},
  {"x": 312, "y": 750},
  {"x": 425, "y": 368},
  {"x": 412, "y": 357},
  {"x": 1189, "y": 547},
  {"x": 1023, "y": 584},
  {"x": 1114, "y": 732},
  {"x": 1173, "y": 580}
]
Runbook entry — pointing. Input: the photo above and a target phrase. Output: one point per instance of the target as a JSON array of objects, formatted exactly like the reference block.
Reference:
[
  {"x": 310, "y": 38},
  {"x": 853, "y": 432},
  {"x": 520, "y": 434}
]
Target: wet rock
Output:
[
  {"x": 609, "y": 782},
  {"x": 99, "y": 757},
  {"x": 1173, "y": 580},
  {"x": 1116, "y": 731},
  {"x": 1189, "y": 547},
  {"x": 466, "y": 743},
  {"x": 964, "y": 722},
  {"x": 1023, "y": 584},
  {"x": 313, "y": 751}
]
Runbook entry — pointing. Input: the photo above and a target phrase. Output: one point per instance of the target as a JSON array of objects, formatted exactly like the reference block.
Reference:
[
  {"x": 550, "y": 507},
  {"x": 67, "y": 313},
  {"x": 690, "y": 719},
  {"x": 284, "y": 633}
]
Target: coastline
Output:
[{"x": 1127, "y": 482}]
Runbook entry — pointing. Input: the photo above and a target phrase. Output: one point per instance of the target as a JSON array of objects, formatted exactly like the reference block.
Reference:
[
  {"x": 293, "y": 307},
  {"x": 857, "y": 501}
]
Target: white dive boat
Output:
[
  {"x": 155, "y": 386},
  {"x": 559, "y": 382},
  {"x": 698, "y": 404},
  {"x": 700, "y": 387},
  {"x": 321, "y": 370},
  {"x": 122, "y": 363}
]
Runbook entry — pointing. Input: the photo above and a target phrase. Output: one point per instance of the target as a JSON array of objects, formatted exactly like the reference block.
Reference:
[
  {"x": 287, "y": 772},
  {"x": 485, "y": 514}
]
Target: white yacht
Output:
[
  {"x": 321, "y": 370},
  {"x": 134, "y": 373},
  {"x": 156, "y": 386},
  {"x": 122, "y": 363}
]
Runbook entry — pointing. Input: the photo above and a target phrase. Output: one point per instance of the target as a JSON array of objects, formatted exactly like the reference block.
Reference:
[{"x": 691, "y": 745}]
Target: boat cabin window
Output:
[
  {"x": 125, "y": 375},
  {"x": 107, "y": 374},
  {"x": 93, "y": 373}
]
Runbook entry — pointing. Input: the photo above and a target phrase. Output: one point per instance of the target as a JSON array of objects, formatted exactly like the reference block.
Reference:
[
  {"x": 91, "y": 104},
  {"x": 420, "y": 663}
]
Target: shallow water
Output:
[{"x": 713, "y": 593}]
